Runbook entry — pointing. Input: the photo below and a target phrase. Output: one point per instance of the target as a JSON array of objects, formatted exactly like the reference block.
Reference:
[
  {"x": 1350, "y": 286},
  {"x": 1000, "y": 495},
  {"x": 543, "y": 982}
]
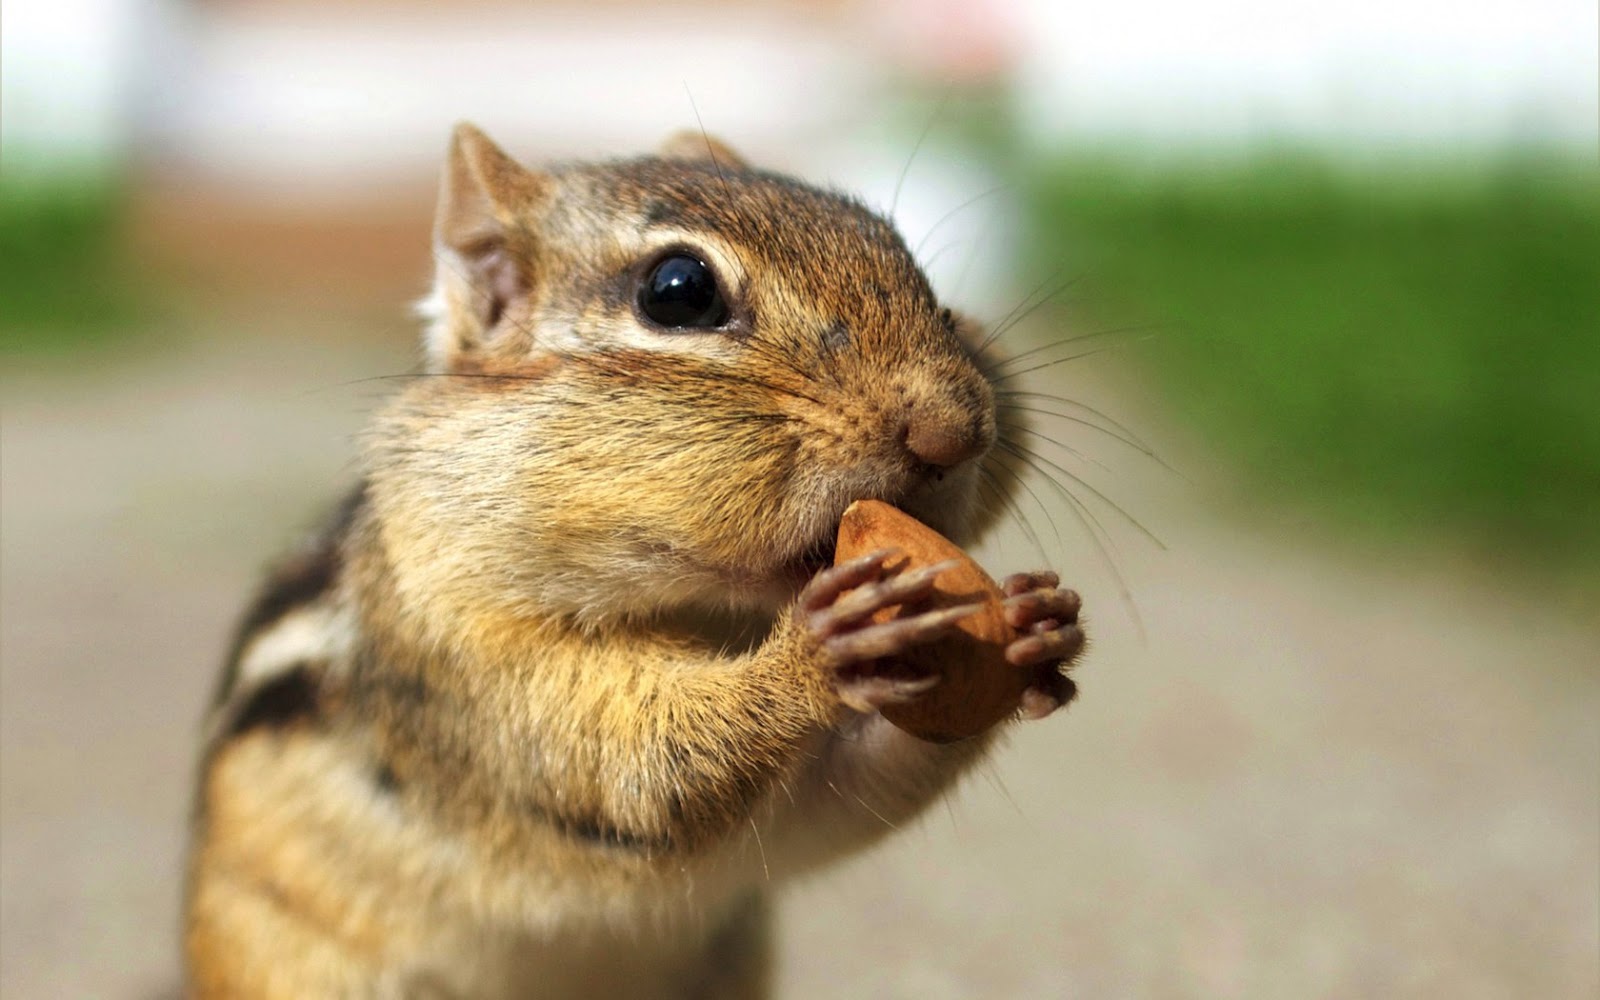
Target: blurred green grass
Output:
[
  {"x": 1410, "y": 349},
  {"x": 67, "y": 280}
]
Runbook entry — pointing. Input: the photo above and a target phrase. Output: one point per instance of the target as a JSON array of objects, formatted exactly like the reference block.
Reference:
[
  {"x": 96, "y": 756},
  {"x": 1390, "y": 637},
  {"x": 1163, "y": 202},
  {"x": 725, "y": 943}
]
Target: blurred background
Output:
[{"x": 1303, "y": 304}]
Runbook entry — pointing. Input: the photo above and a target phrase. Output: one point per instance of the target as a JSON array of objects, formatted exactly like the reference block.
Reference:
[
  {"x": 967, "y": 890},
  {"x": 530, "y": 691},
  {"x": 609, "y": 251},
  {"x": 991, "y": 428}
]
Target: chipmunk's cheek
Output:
[{"x": 791, "y": 572}]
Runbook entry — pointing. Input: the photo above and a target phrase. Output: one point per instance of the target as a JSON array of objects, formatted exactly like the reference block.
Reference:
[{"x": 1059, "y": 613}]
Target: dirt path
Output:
[{"x": 1318, "y": 775}]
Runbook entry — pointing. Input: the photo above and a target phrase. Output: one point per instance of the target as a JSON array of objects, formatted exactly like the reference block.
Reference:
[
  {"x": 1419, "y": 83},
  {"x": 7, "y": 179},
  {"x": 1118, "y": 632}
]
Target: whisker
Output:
[
  {"x": 1064, "y": 401},
  {"x": 779, "y": 356},
  {"x": 508, "y": 376},
  {"x": 946, "y": 217},
  {"x": 950, "y": 810},
  {"x": 927, "y": 265},
  {"x": 758, "y": 383},
  {"x": 1130, "y": 442},
  {"x": 868, "y": 807},
  {"x": 991, "y": 774},
  {"x": 1075, "y": 453},
  {"x": 1015, "y": 318},
  {"x": 710, "y": 153},
  {"x": 1074, "y": 339},
  {"x": 989, "y": 510},
  {"x": 1003, "y": 495},
  {"x": 760, "y": 849},
  {"x": 894, "y": 202},
  {"x": 1001, "y": 325},
  {"x": 1022, "y": 481},
  {"x": 984, "y": 236},
  {"x": 1094, "y": 529},
  {"x": 721, "y": 377},
  {"x": 1071, "y": 357},
  {"x": 1033, "y": 456}
]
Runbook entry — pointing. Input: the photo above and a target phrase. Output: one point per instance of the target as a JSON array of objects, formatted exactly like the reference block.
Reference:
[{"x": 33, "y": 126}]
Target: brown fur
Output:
[{"x": 567, "y": 725}]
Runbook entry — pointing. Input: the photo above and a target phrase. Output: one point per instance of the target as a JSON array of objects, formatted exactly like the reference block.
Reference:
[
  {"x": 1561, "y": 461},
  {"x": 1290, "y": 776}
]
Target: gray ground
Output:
[{"x": 1321, "y": 773}]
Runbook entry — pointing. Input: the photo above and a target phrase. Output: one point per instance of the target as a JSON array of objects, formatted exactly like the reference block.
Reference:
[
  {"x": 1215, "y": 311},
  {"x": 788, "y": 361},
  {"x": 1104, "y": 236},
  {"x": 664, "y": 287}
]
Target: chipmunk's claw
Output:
[
  {"x": 867, "y": 692},
  {"x": 1050, "y": 690},
  {"x": 837, "y": 607},
  {"x": 872, "y": 642},
  {"x": 1021, "y": 583},
  {"x": 828, "y": 584},
  {"x": 849, "y": 609},
  {"x": 1048, "y": 616}
]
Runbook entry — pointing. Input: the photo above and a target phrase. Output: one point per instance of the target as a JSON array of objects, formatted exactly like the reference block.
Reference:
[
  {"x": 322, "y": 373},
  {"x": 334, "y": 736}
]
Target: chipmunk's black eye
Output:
[{"x": 681, "y": 292}]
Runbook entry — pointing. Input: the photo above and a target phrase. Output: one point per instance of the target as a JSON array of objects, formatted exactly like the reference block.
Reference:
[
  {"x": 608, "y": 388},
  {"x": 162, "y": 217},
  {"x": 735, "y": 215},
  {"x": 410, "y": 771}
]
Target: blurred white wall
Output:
[
  {"x": 66, "y": 71},
  {"x": 1356, "y": 73},
  {"x": 330, "y": 99},
  {"x": 338, "y": 93}
]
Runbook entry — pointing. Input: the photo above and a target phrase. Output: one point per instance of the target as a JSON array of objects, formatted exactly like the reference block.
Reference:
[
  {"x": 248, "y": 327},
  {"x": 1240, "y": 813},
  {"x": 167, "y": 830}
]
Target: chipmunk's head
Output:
[{"x": 661, "y": 381}]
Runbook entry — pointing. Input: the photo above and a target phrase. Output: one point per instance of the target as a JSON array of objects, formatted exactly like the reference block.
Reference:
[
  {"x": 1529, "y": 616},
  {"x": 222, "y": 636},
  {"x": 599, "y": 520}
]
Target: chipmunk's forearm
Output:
[{"x": 619, "y": 739}]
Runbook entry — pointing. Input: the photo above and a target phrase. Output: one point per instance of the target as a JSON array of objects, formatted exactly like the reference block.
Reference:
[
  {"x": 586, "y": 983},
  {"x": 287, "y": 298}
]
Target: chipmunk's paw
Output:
[
  {"x": 1047, "y": 617},
  {"x": 836, "y": 610}
]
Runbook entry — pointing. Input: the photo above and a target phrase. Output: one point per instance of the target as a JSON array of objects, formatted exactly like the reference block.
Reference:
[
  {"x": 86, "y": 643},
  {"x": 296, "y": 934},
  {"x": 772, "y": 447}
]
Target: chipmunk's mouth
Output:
[{"x": 823, "y": 550}]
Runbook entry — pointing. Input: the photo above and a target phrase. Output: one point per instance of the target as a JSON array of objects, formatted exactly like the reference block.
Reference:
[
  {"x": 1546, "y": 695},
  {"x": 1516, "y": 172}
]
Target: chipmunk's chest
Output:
[{"x": 648, "y": 961}]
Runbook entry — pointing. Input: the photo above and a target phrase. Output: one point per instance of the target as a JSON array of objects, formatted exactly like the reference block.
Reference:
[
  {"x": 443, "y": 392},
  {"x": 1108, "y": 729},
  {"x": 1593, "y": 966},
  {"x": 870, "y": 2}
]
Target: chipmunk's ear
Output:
[
  {"x": 484, "y": 246},
  {"x": 697, "y": 146}
]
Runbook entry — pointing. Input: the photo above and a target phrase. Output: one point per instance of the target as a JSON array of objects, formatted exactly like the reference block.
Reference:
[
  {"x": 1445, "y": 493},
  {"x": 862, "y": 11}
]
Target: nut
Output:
[{"x": 978, "y": 687}]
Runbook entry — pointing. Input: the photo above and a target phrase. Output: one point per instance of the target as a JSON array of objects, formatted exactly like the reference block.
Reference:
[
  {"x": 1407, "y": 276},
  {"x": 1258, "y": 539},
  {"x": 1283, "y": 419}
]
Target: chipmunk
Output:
[{"x": 570, "y": 681}]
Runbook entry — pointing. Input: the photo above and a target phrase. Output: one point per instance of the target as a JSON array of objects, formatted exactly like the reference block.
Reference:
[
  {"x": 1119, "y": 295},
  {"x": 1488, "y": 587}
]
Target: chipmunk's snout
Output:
[{"x": 945, "y": 436}]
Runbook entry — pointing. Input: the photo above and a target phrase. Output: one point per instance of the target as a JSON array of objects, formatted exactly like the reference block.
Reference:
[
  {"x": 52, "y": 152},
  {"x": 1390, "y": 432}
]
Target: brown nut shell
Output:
[{"x": 977, "y": 687}]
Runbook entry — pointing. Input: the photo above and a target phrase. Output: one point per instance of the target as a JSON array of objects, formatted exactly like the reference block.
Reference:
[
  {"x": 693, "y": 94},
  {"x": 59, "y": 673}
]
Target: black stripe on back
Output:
[{"x": 293, "y": 583}]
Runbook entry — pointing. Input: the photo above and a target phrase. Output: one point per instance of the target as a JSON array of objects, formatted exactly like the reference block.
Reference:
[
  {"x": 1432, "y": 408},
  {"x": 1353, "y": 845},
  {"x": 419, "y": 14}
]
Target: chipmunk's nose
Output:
[{"x": 943, "y": 437}]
